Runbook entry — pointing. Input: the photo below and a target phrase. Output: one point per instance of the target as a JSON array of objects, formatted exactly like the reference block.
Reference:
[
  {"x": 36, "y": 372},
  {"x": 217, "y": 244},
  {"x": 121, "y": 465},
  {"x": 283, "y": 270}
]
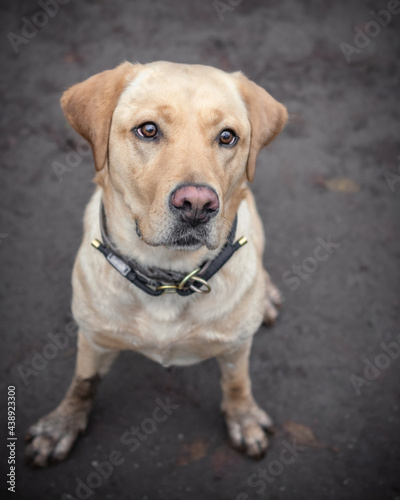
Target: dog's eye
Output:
[
  {"x": 147, "y": 130},
  {"x": 228, "y": 138}
]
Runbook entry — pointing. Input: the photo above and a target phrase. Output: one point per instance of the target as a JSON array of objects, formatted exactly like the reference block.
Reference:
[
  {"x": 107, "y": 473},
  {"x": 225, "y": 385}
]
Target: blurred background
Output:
[{"x": 328, "y": 371}]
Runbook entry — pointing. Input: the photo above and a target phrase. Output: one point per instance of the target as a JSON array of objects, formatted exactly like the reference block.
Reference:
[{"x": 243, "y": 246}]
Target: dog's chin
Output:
[
  {"x": 189, "y": 243},
  {"x": 183, "y": 239},
  {"x": 185, "y": 246}
]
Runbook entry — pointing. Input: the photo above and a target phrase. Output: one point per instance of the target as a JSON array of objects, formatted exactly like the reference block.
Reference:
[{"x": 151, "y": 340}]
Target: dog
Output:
[{"x": 170, "y": 263}]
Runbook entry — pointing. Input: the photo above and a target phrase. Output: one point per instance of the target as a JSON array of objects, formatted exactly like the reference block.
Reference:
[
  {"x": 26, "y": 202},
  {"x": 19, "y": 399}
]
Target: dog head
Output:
[{"x": 173, "y": 145}]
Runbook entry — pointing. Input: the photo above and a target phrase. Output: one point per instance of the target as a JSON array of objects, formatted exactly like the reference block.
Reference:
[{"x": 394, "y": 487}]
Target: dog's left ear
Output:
[
  {"x": 89, "y": 106},
  {"x": 267, "y": 118}
]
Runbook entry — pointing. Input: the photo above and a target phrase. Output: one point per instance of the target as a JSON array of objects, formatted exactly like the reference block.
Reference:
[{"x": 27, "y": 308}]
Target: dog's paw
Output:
[
  {"x": 52, "y": 437},
  {"x": 272, "y": 303},
  {"x": 246, "y": 430}
]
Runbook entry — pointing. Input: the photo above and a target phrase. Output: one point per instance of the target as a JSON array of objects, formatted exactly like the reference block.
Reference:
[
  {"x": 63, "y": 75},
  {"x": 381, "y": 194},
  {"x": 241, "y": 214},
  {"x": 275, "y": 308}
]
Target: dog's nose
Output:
[{"x": 196, "y": 203}]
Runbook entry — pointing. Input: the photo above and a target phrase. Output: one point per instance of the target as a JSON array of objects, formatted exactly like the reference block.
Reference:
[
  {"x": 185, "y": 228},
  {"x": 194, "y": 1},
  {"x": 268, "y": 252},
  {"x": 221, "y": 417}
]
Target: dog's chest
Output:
[
  {"x": 165, "y": 330},
  {"x": 170, "y": 342},
  {"x": 169, "y": 345}
]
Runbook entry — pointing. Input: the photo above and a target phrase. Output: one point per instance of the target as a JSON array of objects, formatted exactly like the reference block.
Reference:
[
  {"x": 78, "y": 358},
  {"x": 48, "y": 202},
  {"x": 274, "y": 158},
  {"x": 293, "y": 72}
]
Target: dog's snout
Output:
[{"x": 196, "y": 203}]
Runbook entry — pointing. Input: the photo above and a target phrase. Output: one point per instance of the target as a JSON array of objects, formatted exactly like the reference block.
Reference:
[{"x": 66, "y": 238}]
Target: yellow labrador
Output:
[{"x": 171, "y": 259}]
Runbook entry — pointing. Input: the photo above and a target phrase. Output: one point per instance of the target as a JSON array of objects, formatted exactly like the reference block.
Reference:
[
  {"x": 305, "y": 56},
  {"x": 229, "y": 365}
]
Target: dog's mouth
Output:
[
  {"x": 183, "y": 237},
  {"x": 181, "y": 240},
  {"x": 187, "y": 243}
]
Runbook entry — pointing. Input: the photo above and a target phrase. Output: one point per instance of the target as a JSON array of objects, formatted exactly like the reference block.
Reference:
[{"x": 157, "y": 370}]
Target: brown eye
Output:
[
  {"x": 147, "y": 130},
  {"x": 228, "y": 138}
]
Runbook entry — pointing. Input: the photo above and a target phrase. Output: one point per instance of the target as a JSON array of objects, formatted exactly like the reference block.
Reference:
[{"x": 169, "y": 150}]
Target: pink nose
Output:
[{"x": 196, "y": 203}]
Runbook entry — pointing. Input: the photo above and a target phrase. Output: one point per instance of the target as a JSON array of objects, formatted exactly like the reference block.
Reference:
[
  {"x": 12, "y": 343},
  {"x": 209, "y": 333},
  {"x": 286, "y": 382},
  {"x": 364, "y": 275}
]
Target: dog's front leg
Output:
[
  {"x": 51, "y": 438},
  {"x": 244, "y": 418}
]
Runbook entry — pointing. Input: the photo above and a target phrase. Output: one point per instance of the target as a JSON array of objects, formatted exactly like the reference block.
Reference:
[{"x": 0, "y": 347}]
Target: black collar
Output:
[{"x": 156, "y": 281}]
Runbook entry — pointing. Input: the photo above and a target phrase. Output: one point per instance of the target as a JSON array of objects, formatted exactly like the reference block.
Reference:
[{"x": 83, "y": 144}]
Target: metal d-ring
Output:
[
  {"x": 203, "y": 282},
  {"x": 187, "y": 278},
  {"x": 192, "y": 276}
]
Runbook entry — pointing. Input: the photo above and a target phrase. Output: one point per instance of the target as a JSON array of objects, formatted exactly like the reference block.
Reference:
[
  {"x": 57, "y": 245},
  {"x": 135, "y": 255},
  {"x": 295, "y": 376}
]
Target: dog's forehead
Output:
[{"x": 184, "y": 86}]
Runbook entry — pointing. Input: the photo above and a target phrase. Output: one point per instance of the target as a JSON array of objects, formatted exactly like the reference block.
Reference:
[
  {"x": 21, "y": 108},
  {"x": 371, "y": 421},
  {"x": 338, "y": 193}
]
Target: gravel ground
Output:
[{"x": 327, "y": 371}]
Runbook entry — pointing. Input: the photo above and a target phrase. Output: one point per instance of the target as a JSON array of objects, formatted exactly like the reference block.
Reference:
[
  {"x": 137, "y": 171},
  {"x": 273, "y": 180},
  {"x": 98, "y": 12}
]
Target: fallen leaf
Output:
[
  {"x": 342, "y": 184},
  {"x": 192, "y": 452},
  {"x": 305, "y": 436}
]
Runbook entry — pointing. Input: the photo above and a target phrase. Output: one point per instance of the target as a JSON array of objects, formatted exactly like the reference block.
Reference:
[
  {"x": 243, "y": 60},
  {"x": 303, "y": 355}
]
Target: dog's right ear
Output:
[{"x": 89, "y": 106}]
